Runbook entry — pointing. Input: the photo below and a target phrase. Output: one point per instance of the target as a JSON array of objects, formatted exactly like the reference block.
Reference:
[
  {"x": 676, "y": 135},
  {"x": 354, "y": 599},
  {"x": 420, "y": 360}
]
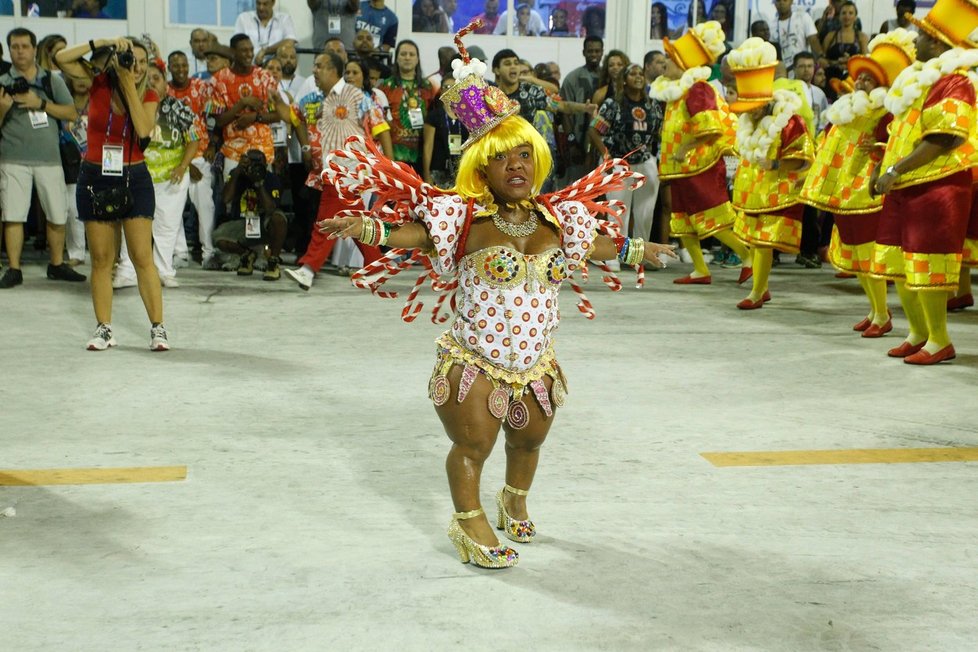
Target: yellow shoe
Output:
[
  {"x": 519, "y": 531},
  {"x": 478, "y": 554}
]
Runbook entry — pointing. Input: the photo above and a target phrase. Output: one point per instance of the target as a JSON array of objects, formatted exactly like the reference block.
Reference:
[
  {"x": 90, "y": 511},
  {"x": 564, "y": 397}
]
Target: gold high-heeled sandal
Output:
[
  {"x": 480, "y": 555},
  {"x": 519, "y": 531}
]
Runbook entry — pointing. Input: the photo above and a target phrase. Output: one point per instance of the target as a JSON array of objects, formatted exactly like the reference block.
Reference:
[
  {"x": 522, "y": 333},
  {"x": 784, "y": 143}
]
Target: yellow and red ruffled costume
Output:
[
  {"x": 700, "y": 203},
  {"x": 839, "y": 179},
  {"x": 768, "y": 199},
  {"x": 925, "y": 218}
]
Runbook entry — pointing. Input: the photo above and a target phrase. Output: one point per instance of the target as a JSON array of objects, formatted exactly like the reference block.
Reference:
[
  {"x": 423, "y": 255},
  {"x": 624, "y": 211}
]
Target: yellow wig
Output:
[{"x": 470, "y": 182}]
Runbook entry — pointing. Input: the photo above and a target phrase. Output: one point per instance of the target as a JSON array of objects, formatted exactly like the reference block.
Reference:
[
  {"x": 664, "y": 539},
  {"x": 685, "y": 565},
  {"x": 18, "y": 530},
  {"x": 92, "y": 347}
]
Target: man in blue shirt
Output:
[{"x": 380, "y": 21}]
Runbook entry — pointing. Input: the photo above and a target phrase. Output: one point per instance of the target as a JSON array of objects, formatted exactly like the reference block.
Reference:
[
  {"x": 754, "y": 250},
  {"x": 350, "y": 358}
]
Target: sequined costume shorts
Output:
[{"x": 508, "y": 387}]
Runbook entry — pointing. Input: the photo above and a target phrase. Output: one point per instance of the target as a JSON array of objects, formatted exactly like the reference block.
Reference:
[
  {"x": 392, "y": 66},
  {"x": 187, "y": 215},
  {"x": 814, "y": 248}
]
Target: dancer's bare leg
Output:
[
  {"x": 523, "y": 452},
  {"x": 473, "y": 432}
]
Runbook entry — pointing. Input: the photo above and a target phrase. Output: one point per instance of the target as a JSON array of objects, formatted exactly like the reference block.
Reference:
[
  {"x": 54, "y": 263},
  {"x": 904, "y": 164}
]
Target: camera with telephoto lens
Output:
[{"x": 18, "y": 87}]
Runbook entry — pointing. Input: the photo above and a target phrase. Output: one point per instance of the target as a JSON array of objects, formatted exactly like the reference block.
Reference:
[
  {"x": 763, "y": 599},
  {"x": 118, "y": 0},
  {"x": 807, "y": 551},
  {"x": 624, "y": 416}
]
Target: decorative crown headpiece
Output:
[
  {"x": 889, "y": 54},
  {"x": 699, "y": 46},
  {"x": 753, "y": 65},
  {"x": 478, "y": 105}
]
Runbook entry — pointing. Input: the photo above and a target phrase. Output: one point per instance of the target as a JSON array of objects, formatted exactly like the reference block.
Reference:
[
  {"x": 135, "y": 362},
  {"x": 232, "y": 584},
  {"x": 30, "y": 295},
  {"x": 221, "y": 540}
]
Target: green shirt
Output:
[{"x": 176, "y": 125}]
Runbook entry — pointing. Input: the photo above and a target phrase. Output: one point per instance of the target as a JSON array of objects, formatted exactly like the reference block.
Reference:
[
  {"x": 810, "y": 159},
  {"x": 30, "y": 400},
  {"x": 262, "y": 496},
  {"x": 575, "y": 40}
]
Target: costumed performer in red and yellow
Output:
[
  {"x": 839, "y": 180},
  {"x": 775, "y": 149},
  {"x": 697, "y": 132},
  {"x": 497, "y": 252},
  {"x": 964, "y": 298},
  {"x": 926, "y": 178}
]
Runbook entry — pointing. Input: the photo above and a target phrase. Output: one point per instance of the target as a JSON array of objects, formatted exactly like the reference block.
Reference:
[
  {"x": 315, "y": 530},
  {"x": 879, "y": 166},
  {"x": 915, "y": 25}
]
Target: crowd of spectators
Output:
[{"x": 249, "y": 105}]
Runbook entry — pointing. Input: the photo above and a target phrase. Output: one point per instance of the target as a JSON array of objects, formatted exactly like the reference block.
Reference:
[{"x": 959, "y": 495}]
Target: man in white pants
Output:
[
  {"x": 172, "y": 147},
  {"x": 196, "y": 94},
  {"x": 30, "y": 157}
]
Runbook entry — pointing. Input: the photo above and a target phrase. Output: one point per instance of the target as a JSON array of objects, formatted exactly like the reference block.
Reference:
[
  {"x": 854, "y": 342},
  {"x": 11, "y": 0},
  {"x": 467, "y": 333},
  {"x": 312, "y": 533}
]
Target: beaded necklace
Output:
[{"x": 521, "y": 230}]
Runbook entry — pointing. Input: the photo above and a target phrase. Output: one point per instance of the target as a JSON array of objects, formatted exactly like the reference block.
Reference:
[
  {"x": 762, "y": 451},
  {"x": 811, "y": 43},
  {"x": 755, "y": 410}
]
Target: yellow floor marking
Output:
[
  {"x": 854, "y": 456},
  {"x": 21, "y": 478}
]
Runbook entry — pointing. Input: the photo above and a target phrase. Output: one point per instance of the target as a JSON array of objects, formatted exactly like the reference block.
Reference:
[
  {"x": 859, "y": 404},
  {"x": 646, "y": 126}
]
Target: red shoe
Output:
[
  {"x": 747, "y": 304},
  {"x": 960, "y": 303},
  {"x": 905, "y": 349},
  {"x": 878, "y": 331},
  {"x": 689, "y": 279},
  {"x": 745, "y": 274},
  {"x": 767, "y": 296},
  {"x": 844, "y": 275},
  {"x": 923, "y": 357},
  {"x": 862, "y": 325}
]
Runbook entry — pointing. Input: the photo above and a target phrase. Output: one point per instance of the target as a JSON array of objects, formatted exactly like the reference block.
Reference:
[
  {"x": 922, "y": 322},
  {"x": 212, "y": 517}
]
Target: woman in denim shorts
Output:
[{"x": 115, "y": 191}]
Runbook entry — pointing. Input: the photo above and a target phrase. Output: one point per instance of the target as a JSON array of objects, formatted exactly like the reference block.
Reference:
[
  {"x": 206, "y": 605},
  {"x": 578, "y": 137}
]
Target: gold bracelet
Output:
[
  {"x": 366, "y": 230},
  {"x": 636, "y": 252}
]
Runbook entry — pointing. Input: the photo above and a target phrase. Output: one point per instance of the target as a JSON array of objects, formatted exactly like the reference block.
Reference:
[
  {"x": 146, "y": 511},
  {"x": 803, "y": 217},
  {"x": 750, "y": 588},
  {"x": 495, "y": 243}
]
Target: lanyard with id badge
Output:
[
  {"x": 113, "y": 160},
  {"x": 39, "y": 119},
  {"x": 415, "y": 114}
]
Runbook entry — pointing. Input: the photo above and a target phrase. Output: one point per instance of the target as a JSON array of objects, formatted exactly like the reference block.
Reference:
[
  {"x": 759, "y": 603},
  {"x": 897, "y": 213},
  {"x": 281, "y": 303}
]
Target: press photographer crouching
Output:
[
  {"x": 252, "y": 193},
  {"x": 115, "y": 190},
  {"x": 32, "y": 104}
]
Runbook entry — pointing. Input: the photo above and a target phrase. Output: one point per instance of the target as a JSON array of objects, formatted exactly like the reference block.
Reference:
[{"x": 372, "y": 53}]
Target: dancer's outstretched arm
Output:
[
  {"x": 607, "y": 249},
  {"x": 406, "y": 236}
]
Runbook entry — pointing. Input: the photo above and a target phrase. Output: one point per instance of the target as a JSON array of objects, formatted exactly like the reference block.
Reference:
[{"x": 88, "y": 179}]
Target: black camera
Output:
[
  {"x": 254, "y": 164},
  {"x": 18, "y": 87},
  {"x": 126, "y": 59}
]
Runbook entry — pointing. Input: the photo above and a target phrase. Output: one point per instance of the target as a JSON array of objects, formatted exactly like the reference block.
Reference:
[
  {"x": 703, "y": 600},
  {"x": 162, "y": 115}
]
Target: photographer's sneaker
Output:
[
  {"x": 273, "y": 269},
  {"x": 212, "y": 263},
  {"x": 303, "y": 276},
  {"x": 157, "y": 338},
  {"x": 11, "y": 278},
  {"x": 64, "y": 272},
  {"x": 102, "y": 338},
  {"x": 246, "y": 267}
]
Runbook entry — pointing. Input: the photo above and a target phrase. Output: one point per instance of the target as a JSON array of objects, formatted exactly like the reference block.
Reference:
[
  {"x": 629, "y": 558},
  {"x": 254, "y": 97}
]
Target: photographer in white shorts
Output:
[{"x": 32, "y": 101}]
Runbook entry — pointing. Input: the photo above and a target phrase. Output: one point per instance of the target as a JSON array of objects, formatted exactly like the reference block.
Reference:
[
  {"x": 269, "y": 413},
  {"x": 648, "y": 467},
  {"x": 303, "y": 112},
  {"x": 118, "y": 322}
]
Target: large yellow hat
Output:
[
  {"x": 888, "y": 55},
  {"x": 753, "y": 65},
  {"x": 950, "y": 21},
  {"x": 700, "y": 46}
]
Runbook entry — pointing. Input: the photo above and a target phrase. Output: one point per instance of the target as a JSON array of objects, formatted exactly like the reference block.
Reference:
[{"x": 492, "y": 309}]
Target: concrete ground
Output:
[{"x": 314, "y": 510}]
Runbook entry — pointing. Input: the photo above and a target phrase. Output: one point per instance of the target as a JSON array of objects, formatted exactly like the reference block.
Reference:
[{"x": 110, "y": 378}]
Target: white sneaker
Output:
[
  {"x": 684, "y": 256},
  {"x": 119, "y": 282},
  {"x": 303, "y": 276},
  {"x": 102, "y": 338},
  {"x": 179, "y": 262},
  {"x": 157, "y": 338},
  {"x": 169, "y": 281}
]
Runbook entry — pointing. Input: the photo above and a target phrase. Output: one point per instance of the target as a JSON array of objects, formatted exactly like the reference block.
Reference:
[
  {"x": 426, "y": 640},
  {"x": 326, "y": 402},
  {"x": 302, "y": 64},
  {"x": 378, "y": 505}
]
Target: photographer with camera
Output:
[
  {"x": 32, "y": 102},
  {"x": 115, "y": 190},
  {"x": 252, "y": 193}
]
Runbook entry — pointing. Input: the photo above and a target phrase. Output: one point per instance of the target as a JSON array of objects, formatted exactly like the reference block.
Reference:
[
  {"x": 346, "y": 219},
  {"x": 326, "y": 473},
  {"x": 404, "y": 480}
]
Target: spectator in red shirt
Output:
[{"x": 252, "y": 101}]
